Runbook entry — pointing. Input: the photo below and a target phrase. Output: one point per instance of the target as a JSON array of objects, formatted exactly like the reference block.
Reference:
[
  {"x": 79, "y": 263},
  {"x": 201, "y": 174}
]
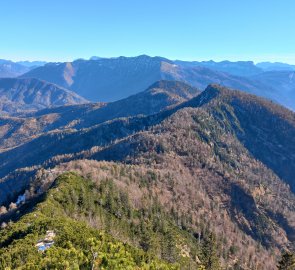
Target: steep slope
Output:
[
  {"x": 103, "y": 79},
  {"x": 225, "y": 152},
  {"x": 251, "y": 110},
  {"x": 25, "y": 95},
  {"x": 159, "y": 96},
  {"x": 201, "y": 77},
  {"x": 279, "y": 142},
  {"x": 284, "y": 81},
  {"x": 17, "y": 130}
]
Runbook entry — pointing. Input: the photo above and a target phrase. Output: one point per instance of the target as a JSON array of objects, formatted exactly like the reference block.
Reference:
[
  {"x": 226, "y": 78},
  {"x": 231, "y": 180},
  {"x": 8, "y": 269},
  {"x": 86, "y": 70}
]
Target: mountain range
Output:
[
  {"x": 239, "y": 68},
  {"x": 10, "y": 69},
  {"x": 111, "y": 79},
  {"x": 276, "y": 66},
  {"x": 217, "y": 167},
  {"x": 146, "y": 163},
  {"x": 159, "y": 96}
]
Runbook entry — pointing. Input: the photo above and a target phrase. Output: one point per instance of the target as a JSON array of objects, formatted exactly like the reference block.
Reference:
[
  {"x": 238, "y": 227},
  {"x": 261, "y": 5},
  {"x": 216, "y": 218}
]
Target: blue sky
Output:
[{"x": 62, "y": 30}]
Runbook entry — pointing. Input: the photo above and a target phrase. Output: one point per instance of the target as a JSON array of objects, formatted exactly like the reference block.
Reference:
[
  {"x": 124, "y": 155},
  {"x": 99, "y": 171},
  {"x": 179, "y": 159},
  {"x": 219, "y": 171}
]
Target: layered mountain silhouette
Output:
[
  {"x": 264, "y": 113},
  {"x": 159, "y": 96},
  {"x": 176, "y": 167},
  {"x": 10, "y": 69},
  {"x": 26, "y": 95},
  {"x": 276, "y": 66},
  {"x": 32, "y": 64},
  {"x": 239, "y": 68},
  {"x": 111, "y": 79}
]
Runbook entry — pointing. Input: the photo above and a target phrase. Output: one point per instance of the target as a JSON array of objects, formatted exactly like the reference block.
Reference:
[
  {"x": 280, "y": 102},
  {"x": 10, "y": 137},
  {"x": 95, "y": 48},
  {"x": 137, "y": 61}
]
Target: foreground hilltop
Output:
[
  {"x": 55, "y": 232},
  {"x": 220, "y": 165}
]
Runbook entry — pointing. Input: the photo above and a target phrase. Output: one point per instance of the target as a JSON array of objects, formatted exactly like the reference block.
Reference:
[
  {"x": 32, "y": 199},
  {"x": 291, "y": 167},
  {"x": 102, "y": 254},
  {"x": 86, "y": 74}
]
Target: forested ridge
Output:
[{"x": 205, "y": 183}]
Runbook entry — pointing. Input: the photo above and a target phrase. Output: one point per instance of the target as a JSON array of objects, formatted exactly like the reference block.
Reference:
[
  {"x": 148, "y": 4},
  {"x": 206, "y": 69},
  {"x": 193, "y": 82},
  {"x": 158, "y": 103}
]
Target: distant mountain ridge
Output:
[
  {"x": 32, "y": 64},
  {"x": 9, "y": 69},
  {"x": 111, "y": 79},
  {"x": 276, "y": 66},
  {"x": 103, "y": 79},
  {"x": 239, "y": 68},
  {"x": 26, "y": 95}
]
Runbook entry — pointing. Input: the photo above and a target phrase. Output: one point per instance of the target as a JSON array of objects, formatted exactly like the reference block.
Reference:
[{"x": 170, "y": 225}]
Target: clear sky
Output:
[{"x": 61, "y": 30}]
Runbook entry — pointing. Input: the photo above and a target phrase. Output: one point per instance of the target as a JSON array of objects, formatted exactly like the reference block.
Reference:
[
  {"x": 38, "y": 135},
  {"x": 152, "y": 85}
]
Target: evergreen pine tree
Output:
[
  {"x": 287, "y": 262},
  {"x": 209, "y": 250}
]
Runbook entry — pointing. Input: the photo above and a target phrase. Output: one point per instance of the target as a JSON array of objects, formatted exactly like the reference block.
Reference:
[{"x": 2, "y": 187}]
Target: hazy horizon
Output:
[
  {"x": 173, "y": 59},
  {"x": 194, "y": 30}
]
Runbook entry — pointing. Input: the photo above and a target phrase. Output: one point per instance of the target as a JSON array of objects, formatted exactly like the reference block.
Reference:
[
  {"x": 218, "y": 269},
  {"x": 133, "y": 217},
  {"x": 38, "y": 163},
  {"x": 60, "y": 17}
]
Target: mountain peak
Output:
[
  {"x": 217, "y": 93},
  {"x": 210, "y": 93},
  {"x": 175, "y": 88},
  {"x": 167, "y": 84},
  {"x": 213, "y": 87}
]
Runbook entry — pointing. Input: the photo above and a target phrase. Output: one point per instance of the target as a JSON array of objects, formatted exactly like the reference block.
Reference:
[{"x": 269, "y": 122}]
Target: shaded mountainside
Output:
[
  {"x": 230, "y": 158},
  {"x": 239, "y": 68},
  {"x": 267, "y": 130},
  {"x": 268, "y": 66},
  {"x": 284, "y": 81},
  {"x": 104, "y": 79},
  {"x": 159, "y": 96},
  {"x": 25, "y": 95},
  {"x": 9, "y": 69},
  {"x": 117, "y": 78}
]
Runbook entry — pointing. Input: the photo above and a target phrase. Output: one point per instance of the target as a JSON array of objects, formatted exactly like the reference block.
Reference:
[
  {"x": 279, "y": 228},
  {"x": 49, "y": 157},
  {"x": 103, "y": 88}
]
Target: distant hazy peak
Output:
[
  {"x": 275, "y": 66},
  {"x": 30, "y": 94}
]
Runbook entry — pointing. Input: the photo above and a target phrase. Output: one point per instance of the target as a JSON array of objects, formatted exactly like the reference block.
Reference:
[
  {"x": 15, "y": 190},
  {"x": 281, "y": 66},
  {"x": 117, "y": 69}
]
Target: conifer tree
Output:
[
  {"x": 287, "y": 261},
  {"x": 209, "y": 250}
]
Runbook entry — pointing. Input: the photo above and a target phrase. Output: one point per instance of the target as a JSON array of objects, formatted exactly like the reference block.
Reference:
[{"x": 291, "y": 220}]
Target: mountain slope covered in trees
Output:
[
  {"x": 78, "y": 242},
  {"x": 216, "y": 162},
  {"x": 159, "y": 96}
]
